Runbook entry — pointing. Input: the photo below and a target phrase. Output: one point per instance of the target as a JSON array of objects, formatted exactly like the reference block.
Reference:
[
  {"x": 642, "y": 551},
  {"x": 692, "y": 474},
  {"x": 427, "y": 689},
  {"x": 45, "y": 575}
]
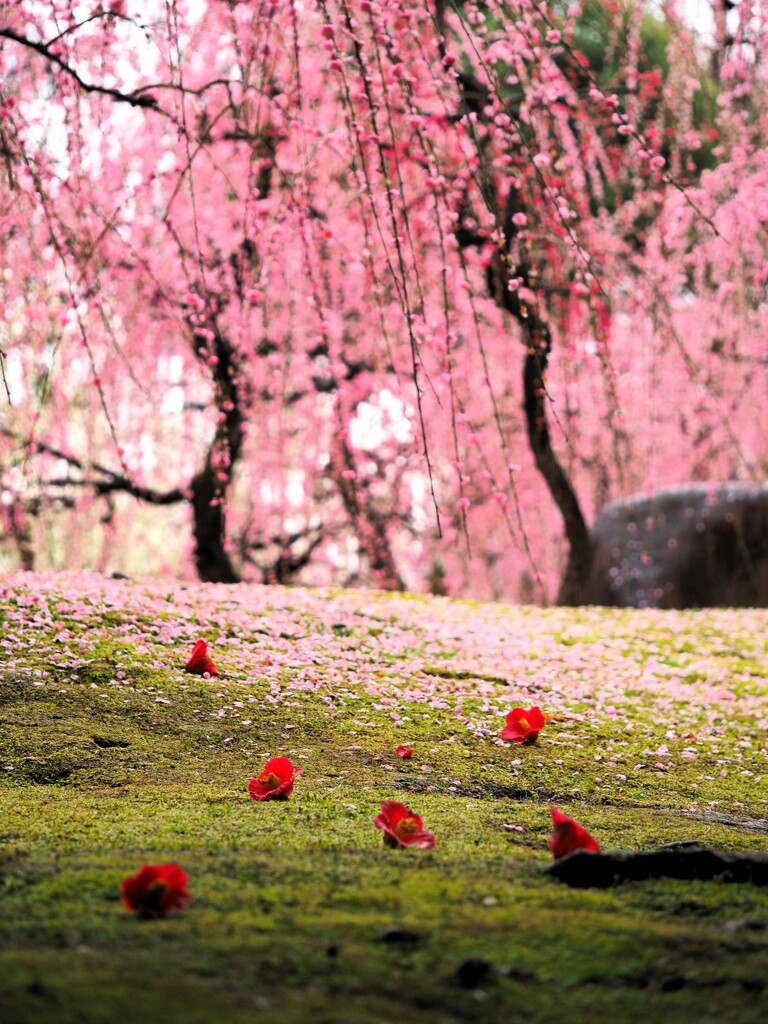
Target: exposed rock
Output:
[
  {"x": 693, "y": 546},
  {"x": 582, "y": 869}
]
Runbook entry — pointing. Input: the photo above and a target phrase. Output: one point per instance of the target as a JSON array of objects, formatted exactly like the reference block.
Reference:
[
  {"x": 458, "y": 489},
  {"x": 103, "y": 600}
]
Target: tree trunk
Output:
[
  {"x": 576, "y": 531},
  {"x": 209, "y": 486},
  {"x": 22, "y": 535},
  {"x": 512, "y": 261},
  {"x": 370, "y": 525},
  {"x": 212, "y": 561},
  {"x": 537, "y": 337}
]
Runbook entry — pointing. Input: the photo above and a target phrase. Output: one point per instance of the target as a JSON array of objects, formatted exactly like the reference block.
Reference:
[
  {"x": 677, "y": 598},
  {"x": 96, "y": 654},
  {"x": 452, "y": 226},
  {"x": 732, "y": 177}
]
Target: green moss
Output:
[{"x": 299, "y": 912}]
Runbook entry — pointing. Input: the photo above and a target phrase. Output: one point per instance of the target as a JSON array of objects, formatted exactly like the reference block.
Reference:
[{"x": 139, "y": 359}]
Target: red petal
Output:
[
  {"x": 258, "y": 791},
  {"x": 156, "y": 890},
  {"x": 281, "y": 767},
  {"x": 393, "y": 812},
  {"x": 199, "y": 663},
  {"x": 422, "y": 840},
  {"x": 569, "y": 835},
  {"x": 523, "y": 725},
  {"x": 536, "y": 718},
  {"x": 388, "y": 808}
]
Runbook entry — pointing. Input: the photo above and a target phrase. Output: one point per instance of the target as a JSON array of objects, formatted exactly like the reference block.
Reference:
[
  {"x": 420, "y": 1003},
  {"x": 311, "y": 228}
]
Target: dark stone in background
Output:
[{"x": 693, "y": 546}]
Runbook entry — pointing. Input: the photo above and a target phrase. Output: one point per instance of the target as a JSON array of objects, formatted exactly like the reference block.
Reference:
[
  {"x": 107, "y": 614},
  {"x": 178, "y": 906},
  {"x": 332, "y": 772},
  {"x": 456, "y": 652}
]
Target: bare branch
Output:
[
  {"x": 133, "y": 99},
  {"x": 112, "y": 481}
]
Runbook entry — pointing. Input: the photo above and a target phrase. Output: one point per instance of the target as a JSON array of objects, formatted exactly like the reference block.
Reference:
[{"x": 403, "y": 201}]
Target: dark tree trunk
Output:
[
  {"x": 512, "y": 261},
  {"x": 22, "y": 535},
  {"x": 210, "y": 485},
  {"x": 537, "y": 337},
  {"x": 212, "y": 561},
  {"x": 580, "y": 554}
]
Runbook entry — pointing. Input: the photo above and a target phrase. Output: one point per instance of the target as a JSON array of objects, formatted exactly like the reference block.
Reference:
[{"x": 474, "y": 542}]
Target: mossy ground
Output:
[{"x": 112, "y": 757}]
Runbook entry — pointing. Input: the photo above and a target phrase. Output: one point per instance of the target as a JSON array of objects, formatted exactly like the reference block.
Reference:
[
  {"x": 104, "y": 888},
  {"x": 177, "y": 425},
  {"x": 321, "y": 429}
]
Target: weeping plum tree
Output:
[{"x": 384, "y": 293}]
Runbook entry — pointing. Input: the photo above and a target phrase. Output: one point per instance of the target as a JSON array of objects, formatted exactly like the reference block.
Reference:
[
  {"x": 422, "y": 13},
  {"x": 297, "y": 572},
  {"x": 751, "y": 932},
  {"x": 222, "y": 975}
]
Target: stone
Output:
[
  {"x": 583, "y": 869},
  {"x": 693, "y": 546}
]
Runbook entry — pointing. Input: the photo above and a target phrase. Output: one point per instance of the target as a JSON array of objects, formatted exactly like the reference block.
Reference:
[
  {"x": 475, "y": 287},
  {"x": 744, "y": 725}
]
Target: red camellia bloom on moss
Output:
[
  {"x": 403, "y": 751},
  {"x": 275, "y": 782},
  {"x": 569, "y": 835},
  {"x": 523, "y": 726},
  {"x": 402, "y": 827},
  {"x": 199, "y": 662},
  {"x": 156, "y": 890}
]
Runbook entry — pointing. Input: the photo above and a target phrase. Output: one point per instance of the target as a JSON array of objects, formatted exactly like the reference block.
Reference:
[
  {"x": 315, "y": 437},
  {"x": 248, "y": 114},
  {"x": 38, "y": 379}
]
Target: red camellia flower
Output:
[
  {"x": 523, "y": 726},
  {"x": 275, "y": 782},
  {"x": 403, "y": 751},
  {"x": 156, "y": 890},
  {"x": 402, "y": 827},
  {"x": 569, "y": 836},
  {"x": 199, "y": 663}
]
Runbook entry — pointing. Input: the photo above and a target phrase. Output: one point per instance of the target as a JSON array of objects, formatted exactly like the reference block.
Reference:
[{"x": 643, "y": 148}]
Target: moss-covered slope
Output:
[{"x": 111, "y": 756}]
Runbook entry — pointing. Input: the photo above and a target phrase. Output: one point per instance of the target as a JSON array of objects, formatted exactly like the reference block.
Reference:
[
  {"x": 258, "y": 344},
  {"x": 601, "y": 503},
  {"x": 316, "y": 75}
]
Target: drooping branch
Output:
[
  {"x": 58, "y": 492},
  {"x": 109, "y": 481},
  {"x": 510, "y": 263},
  {"x": 133, "y": 99}
]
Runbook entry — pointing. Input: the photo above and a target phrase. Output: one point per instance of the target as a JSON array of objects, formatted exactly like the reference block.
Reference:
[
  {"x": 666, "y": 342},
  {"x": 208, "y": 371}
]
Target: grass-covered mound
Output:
[{"x": 111, "y": 756}]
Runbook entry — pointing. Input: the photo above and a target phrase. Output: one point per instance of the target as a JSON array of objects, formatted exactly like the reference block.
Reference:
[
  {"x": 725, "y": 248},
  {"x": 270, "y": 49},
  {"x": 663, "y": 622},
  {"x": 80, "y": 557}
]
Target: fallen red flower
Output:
[
  {"x": 156, "y": 890},
  {"x": 275, "y": 782},
  {"x": 523, "y": 726},
  {"x": 568, "y": 836},
  {"x": 403, "y": 751},
  {"x": 402, "y": 827},
  {"x": 199, "y": 663}
]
